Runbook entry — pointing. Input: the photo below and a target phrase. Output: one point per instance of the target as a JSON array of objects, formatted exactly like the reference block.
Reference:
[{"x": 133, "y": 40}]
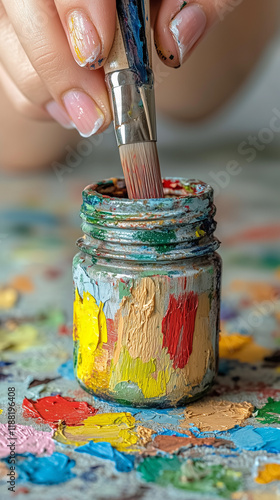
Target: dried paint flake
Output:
[
  {"x": 269, "y": 413},
  {"x": 268, "y": 473},
  {"x": 8, "y": 297},
  {"x": 210, "y": 415},
  {"x": 27, "y": 440},
  {"x": 55, "y": 409},
  {"x": 114, "y": 428}
]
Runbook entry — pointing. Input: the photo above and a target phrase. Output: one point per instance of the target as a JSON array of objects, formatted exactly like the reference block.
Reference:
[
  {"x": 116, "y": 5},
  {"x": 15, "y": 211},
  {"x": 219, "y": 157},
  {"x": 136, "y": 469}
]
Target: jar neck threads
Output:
[{"x": 176, "y": 227}]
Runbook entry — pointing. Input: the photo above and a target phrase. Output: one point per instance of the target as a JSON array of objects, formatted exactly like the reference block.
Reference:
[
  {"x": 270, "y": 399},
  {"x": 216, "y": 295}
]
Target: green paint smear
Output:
[
  {"x": 266, "y": 261},
  {"x": 124, "y": 289},
  {"x": 270, "y": 412},
  {"x": 191, "y": 475},
  {"x": 159, "y": 239}
]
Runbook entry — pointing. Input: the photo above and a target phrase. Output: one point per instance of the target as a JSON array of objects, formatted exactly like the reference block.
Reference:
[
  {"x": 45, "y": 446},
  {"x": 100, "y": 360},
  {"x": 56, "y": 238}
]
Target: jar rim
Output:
[{"x": 177, "y": 188}]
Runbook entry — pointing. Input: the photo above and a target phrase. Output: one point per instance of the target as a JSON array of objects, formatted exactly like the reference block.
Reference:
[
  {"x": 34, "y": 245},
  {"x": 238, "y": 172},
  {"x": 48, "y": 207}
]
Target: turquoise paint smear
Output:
[
  {"x": 66, "y": 370},
  {"x": 55, "y": 469},
  {"x": 163, "y": 417},
  {"x": 123, "y": 461}
]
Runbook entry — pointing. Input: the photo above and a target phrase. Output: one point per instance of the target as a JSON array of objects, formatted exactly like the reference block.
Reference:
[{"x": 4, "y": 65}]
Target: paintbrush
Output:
[{"x": 130, "y": 81}]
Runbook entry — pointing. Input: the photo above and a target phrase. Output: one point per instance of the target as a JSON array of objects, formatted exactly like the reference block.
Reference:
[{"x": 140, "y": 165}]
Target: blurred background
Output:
[{"x": 236, "y": 150}]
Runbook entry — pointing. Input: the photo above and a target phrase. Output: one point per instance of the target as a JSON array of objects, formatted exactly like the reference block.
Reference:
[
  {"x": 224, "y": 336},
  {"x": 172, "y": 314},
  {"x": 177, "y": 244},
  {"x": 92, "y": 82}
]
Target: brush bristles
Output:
[{"x": 141, "y": 170}]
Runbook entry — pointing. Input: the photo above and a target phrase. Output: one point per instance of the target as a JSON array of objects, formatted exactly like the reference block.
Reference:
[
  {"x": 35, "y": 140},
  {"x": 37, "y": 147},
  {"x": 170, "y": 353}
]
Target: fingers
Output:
[
  {"x": 82, "y": 95},
  {"x": 17, "y": 75},
  {"x": 180, "y": 26},
  {"x": 90, "y": 29}
]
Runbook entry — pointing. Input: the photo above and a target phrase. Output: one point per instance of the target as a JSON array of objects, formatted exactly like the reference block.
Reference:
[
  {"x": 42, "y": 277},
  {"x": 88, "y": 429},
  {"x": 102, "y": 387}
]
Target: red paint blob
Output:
[
  {"x": 178, "y": 327},
  {"x": 64, "y": 330},
  {"x": 53, "y": 409}
]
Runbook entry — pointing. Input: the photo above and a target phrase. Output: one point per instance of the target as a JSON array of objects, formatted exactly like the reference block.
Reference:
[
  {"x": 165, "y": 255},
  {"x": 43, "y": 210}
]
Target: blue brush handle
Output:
[{"x": 134, "y": 22}]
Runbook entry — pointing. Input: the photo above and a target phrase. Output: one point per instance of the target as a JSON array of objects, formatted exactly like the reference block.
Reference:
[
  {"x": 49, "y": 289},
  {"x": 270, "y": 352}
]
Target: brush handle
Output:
[{"x": 132, "y": 47}]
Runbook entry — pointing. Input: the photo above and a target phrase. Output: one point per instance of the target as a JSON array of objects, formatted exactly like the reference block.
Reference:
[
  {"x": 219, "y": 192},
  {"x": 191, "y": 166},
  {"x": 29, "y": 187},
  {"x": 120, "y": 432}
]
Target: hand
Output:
[{"x": 45, "y": 45}]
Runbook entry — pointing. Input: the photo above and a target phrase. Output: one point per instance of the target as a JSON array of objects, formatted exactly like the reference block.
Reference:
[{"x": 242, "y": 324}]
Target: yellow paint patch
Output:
[
  {"x": 20, "y": 339},
  {"x": 1, "y": 411},
  {"x": 114, "y": 428},
  {"x": 145, "y": 375},
  {"x": 241, "y": 347},
  {"x": 90, "y": 330},
  {"x": 210, "y": 415},
  {"x": 268, "y": 473},
  {"x": 254, "y": 495},
  {"x": 8, "y": 297},
  {"x": 23, "y": 284}
]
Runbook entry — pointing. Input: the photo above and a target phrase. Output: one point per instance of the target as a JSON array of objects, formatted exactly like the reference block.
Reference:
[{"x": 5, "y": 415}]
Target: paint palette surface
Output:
[{"x": 69, "y": 444}]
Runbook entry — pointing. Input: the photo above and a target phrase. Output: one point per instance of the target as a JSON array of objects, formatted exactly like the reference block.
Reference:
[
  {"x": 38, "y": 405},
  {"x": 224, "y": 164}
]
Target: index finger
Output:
[{"x": 90, "y": 29}]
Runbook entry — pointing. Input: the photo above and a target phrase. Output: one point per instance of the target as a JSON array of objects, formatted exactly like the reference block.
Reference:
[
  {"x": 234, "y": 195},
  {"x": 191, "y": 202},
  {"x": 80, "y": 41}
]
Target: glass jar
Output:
[{"x": 147, "y": 294}]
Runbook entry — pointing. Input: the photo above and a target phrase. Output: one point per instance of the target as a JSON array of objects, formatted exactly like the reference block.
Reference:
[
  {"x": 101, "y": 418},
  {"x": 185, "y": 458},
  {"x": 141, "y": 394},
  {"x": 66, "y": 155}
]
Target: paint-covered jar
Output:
[{"x": 147, "y": 294}]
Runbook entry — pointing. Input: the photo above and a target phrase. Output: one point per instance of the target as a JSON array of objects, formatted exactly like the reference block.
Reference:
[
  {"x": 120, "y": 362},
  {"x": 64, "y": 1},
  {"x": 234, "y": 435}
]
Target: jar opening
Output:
[{"x": 172, "y": 188}]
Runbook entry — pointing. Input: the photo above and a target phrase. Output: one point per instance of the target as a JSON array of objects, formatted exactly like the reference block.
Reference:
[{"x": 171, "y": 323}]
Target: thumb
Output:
[{"x": 180, "y": 26}]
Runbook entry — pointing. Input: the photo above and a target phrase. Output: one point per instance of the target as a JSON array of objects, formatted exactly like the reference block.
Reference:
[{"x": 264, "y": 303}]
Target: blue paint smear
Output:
[
  {"x": 123, "y": 461},
  {"x": 163, "y": 417},
  {"x": 6, "y": 363},
  {"x": 66, "y": 370},
  {"x": 225, "y": 366},
  {"x": 248, "y": 438},
  {"x": 228, "y": 311},
  {"x": 253, "y": 439},
  {"x": 90, "y": 475},
  {"x": 54, "y": 469},
  {"x": 132, "y": 22}
]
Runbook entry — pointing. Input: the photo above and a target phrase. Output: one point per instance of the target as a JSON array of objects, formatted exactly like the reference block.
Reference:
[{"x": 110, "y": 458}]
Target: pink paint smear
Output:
[{"x": 27, "y": 440}]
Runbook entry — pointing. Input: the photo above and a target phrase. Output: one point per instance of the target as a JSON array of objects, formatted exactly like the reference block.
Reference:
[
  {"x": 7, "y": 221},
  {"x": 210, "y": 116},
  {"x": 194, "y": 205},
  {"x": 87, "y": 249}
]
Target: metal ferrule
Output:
[{"x": 133, "y": 104}]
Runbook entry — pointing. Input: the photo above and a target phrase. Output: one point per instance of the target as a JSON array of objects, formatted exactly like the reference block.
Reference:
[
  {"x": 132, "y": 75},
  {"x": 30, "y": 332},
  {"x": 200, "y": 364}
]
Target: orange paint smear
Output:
[
  {"x": 22, "y": 284},
  {"x": 241, "y": 347},
  {"x": 171, "y": 444},
  {"x": 261, "y": 234}
]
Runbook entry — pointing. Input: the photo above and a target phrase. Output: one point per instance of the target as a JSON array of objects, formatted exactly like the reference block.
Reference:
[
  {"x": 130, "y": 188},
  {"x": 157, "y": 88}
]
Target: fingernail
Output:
[
  {"x": 59, "y": 115},
  {"x": 84, "y": 40},
  {"x": 186, "y": 27},
  {"x": 85, "y": 114}
]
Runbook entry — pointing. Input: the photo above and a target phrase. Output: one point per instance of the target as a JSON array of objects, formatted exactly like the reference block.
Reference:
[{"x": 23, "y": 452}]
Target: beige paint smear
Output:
[
  {"x": 145, "y": 435},
  {"x": 139, "y": 321},
  {"x": 202, "y": 354},
  {"x": 210, "y": 415}
]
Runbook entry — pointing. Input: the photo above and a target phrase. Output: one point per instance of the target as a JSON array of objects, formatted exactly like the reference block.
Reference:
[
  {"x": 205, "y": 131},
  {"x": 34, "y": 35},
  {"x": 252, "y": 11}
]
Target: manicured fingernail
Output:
[
  {"x": 84, "y": 40},
  {"x": 58, "y": 114},
  {"x": 187, "y": 26},
  {"x": 86, "y": 115}
]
